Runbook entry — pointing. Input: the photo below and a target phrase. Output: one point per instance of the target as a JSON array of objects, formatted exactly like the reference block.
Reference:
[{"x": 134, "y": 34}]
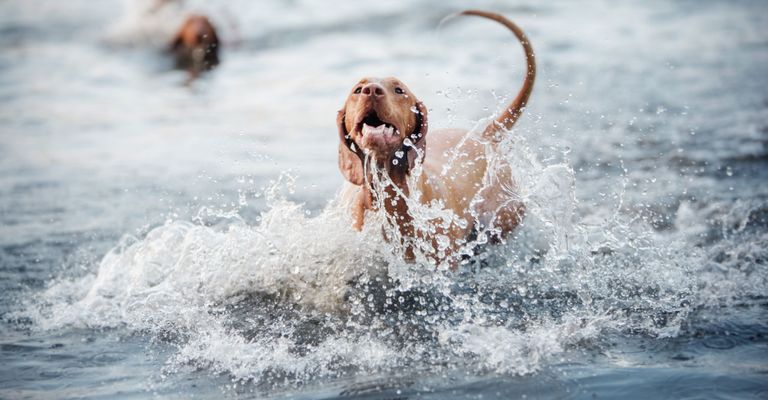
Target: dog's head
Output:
[
  {"x": 196, "y": 45},
  {"x": 378, "y": 117}
]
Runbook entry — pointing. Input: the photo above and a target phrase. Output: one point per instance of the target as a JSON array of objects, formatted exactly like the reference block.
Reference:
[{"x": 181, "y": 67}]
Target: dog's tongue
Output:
[{"x": 379, "y": 130}]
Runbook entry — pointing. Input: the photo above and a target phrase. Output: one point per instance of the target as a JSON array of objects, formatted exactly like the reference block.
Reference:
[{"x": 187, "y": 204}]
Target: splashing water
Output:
[
  {"x": 295, "y": 298},
  {"x": 634, "y": 238}
]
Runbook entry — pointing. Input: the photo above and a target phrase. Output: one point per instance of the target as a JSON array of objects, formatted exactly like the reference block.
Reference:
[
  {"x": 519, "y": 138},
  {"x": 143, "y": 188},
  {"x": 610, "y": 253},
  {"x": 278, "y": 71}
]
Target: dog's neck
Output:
[
  {"x": 395, "y": 202},
  {"x": 392, "y": 180}
]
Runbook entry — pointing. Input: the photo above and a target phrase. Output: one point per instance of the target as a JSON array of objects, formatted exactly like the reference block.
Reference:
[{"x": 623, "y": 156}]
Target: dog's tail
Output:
[{"x": 512, "y": 112}]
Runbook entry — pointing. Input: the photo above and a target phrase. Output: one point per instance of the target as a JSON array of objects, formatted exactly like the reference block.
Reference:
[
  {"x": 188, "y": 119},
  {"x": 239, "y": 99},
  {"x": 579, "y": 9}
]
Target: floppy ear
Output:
[
  {"x": 419, "y": 135},
  {"x": 176, "y": 42},
  {"x": 350, "y": 164},
  {"x": 213, "y": 36}
]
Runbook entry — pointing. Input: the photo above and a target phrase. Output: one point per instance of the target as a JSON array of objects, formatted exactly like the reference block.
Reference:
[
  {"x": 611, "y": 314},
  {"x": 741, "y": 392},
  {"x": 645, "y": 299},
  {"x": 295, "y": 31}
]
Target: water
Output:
[{"x": 172, "y": 240}]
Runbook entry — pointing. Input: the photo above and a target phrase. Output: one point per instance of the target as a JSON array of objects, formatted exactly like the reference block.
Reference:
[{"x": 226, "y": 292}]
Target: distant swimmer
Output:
[{"x": 195, "y": 46}]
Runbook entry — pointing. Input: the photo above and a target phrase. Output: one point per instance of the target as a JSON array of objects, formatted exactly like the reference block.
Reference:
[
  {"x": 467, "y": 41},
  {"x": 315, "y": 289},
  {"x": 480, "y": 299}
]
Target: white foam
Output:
[{"x": 182, "y": 277}]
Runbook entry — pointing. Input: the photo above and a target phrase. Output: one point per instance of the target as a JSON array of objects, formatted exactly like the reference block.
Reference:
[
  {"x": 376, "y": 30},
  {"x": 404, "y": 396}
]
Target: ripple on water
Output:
[
  {"x": 719, "y": 343},
  {"x": 107, "y": 357}
]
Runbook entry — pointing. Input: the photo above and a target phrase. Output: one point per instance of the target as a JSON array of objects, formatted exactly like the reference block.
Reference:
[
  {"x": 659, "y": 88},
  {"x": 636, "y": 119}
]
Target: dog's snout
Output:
[{"x": 373, "y": 89}]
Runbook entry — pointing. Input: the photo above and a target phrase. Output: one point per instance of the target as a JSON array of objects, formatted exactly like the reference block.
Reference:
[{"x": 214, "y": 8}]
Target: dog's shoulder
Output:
[
  {"x": 452, "y": 149},
  {"x": 454, "y": 166}
]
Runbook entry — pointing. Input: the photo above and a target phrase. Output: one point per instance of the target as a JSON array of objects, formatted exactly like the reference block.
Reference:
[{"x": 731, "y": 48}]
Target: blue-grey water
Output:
[{"x": 174, "y": 240}]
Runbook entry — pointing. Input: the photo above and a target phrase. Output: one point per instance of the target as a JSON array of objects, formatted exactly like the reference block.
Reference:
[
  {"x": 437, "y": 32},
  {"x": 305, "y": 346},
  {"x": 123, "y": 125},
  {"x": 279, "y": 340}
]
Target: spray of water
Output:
[
  {"x": 292, "y": 298},
  {"x": 287, "y": 297}
]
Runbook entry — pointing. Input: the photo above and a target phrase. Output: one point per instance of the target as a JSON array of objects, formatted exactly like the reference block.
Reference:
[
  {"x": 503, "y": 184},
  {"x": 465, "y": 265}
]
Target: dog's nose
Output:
[{"x": 373, "y": 89}]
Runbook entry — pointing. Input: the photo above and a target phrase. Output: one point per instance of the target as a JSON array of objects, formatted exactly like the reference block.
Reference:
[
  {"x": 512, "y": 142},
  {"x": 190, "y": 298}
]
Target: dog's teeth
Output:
[{"x": 379, "y": 130}]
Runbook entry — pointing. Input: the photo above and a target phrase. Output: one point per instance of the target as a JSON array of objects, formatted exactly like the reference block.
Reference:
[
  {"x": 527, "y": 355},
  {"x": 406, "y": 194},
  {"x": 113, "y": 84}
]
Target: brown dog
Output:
[
  {"x": 196, "y": 45},
  {"x": 383, "y": 132}
]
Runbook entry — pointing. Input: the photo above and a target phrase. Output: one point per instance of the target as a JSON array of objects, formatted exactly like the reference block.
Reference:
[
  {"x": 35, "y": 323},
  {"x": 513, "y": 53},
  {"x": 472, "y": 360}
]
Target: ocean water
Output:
[{"x": 161, "y": 238}]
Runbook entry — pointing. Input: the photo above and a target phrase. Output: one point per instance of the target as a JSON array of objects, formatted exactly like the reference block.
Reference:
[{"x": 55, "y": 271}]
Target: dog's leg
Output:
[{"x": 359, "y": 205}]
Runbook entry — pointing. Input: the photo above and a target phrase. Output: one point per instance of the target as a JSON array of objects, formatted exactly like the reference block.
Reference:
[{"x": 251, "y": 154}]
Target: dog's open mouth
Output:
[{"x": 373, "y": 125}]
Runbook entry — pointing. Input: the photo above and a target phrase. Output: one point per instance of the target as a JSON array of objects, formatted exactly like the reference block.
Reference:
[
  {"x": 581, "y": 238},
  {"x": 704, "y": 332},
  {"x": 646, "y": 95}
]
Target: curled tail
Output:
[{"x": 512, "y": 112}]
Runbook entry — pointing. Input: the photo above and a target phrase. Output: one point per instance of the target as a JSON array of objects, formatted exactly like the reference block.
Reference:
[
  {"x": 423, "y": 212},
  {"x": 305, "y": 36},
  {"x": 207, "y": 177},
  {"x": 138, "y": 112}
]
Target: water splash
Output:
[{"x": 291, "y": 298}]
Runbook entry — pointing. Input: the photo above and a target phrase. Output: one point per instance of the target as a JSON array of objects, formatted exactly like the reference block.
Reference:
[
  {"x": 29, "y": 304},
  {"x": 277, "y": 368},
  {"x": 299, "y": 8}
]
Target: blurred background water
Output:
[{"x": 167, "y": 239}]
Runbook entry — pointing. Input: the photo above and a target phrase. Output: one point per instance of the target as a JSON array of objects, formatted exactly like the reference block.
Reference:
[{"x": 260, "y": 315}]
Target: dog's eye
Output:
[
  {"x": 358, "y": 90},
  {"x": 399, "y": 90}
]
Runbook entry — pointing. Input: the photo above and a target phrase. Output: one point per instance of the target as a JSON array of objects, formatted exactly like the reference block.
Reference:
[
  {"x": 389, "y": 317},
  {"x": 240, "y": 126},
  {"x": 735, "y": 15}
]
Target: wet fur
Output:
[
  {"x": 195, "y": 46},
  {"x": 388, "y": 101}
]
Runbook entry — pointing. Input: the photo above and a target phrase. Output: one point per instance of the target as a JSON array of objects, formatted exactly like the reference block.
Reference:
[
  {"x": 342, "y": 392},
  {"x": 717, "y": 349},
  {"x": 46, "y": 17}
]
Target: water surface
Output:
[{"x": 173, "y": 240}]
